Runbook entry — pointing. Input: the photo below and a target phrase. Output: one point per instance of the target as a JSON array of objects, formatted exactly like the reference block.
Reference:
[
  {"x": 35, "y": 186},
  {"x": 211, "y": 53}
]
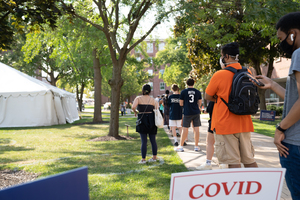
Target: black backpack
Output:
[{"x": 243, "y": 98}]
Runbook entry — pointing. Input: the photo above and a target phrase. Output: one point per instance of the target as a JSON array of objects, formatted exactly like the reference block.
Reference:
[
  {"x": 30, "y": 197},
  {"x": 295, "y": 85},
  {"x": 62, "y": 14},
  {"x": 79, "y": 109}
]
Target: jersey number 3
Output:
[{"x": 192, "y": 97}]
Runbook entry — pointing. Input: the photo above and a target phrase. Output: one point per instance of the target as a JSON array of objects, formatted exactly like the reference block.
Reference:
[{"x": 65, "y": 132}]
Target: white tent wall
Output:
[
  {"x": 25, "y": 111},
  {"x": 68, "y": 104},
  {"x": 26, "y": 101}
]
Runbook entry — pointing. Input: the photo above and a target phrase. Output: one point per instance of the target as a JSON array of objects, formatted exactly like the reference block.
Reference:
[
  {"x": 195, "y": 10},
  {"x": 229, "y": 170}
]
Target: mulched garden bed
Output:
[{"x": 13, "y": 177}]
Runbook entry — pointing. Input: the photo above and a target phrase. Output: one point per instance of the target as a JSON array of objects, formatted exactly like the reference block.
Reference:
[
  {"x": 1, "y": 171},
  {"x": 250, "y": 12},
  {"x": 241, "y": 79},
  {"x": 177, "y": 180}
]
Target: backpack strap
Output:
[
  {"x": 231, "y": 69},
  {"x": 235, "y": 70}
]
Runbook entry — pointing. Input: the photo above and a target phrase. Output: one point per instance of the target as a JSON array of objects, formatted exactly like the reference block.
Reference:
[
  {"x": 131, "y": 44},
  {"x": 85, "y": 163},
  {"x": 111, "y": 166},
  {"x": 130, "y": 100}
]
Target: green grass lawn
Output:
[
  {"x": 112, "y": 165},
  {"x": 265, "y": 127}
]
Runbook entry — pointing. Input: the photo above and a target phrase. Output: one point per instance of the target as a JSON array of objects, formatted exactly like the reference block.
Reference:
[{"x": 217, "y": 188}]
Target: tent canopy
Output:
[{"x": 26, "y": 101}]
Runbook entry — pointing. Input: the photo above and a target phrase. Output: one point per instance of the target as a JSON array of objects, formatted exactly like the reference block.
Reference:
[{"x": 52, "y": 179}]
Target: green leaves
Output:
[
  {"x": 212, "y": 24},
  {"x": 174, "y": 57},
  {"x": 15, "y": 14}
]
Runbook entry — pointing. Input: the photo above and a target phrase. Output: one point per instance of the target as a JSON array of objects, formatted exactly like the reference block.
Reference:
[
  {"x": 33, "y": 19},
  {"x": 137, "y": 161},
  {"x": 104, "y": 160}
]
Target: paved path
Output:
[{"x": 266, "y": 154}]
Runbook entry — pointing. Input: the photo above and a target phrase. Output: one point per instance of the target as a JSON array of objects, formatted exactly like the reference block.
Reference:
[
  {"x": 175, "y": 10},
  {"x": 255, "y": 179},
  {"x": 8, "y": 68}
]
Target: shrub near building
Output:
[{"x": 278, "y": 109}]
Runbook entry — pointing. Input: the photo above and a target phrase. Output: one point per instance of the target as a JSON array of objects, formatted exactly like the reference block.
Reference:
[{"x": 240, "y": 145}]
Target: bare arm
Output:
[
  {"x": 134, "y": 106},
  {"x": 181, "y": 102},
  {"x": 200, "y": 103},
  {"x": 210, "y": 98},
  {"x": 293, "y": 115},
  {"x": 291, "y": 118},
  {"x": 270, "y": 84}
]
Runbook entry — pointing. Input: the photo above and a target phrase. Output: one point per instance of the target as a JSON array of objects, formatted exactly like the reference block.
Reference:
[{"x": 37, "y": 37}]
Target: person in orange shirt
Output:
[{"x": 233, "y": 144}]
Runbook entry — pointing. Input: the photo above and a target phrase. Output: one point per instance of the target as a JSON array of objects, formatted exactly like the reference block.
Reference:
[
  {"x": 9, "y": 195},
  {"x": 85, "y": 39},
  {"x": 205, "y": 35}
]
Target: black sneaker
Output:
[
  {"x": 177, "y": 134},
  {"x": 184, "y": 144},
  {"x": 176, "y": 144}
]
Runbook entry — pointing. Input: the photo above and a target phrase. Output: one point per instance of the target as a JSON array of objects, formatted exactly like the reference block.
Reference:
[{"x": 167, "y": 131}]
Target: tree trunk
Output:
[
  {"x": 262, "y": 99},
  {"x": 261, "y": 93},
  {"x": 115, "y": 83},
  {"x": 204, "y": 101},
  {"x": 52, "y": 81},
  {"x": 97, "y": 86},
  {"x": 79, "y": 96}
]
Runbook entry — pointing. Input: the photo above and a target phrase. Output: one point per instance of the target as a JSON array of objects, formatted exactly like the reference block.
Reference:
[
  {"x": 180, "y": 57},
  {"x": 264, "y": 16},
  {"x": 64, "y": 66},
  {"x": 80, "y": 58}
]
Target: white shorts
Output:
[{"x": 175, "y": 123}]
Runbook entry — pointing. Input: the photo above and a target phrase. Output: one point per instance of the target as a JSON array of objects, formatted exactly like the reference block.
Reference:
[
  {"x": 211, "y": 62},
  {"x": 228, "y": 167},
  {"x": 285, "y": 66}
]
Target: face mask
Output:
[
  {"x": 286, "y": 47},
  {"x": 221, "y": 63}
]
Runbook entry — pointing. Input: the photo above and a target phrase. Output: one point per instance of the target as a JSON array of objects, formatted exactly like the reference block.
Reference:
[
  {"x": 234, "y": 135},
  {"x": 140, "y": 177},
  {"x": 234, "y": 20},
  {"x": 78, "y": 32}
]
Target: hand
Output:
[
  {"x": 278, "y": 137},
  {"x": 265, "y": 80}
]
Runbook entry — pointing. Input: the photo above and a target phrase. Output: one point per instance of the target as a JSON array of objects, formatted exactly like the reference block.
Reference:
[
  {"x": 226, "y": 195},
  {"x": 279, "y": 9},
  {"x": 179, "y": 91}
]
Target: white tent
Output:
[{"x": 26, "y": 101}]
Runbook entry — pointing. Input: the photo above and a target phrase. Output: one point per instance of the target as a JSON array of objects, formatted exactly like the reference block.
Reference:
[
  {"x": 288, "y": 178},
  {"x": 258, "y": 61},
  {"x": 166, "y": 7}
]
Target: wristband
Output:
[{"x": 281, "y": 129}]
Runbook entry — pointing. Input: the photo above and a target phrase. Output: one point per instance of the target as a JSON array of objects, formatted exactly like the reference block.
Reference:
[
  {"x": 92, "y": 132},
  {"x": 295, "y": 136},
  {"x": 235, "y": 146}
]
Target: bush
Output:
[
  {"x": 278, "y": 109},
  {"x": 128, "y": 106}
]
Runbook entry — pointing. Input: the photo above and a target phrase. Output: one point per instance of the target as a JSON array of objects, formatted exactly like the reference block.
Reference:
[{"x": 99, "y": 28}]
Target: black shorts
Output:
[{"x": 187, "y": 119}]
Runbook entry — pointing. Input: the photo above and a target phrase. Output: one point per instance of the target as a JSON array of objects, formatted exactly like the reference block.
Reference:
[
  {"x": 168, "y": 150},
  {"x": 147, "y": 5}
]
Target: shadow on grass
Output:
[{"x": 3, "y": 149}]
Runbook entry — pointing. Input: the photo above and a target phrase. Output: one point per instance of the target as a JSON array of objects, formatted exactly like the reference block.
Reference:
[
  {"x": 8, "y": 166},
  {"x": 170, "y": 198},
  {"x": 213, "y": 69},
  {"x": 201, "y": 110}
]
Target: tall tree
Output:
[{"x": 119, "y": 28}]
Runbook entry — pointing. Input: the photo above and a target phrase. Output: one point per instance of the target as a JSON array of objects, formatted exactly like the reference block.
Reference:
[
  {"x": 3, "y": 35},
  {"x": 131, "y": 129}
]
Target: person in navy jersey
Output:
[
  {"x": 191, "y": 101},
  {"x": 175, "y": 116}
]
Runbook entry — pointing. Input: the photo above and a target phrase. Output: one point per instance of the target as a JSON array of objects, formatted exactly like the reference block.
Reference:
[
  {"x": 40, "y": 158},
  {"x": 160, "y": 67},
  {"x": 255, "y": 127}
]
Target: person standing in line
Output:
[
  {"x": 232, "y": 132},
  {"x": 287, "y": 133},
  {"x": 210, "y": 140},
  {"x": 175, "y": 119},
  {"x": 166, "y": 109},
  {"x": 161, "y": 106},
  {"x": 122, "y": 109},
  {"x": 191, "y": 101},
  {"x": 145, "y": 105}
]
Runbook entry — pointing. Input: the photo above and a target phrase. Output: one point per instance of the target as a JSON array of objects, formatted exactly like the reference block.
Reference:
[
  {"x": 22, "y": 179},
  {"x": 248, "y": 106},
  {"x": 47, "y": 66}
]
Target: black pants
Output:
[{"x": 152, "y": 138}]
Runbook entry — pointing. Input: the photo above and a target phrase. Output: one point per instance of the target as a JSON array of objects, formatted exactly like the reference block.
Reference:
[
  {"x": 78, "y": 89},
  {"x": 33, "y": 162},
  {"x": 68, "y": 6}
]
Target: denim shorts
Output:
[{"x": 292, "y": 165}]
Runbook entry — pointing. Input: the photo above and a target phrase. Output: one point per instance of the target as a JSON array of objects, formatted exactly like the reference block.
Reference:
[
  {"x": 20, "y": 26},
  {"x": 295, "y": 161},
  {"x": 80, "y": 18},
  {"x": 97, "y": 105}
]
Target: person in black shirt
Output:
[
  {"x": 166, "y": 108},
  {"x": 175, "y": 119},
  {"x": 145, "y": 105},
  {"x": 191, "y": 101}
]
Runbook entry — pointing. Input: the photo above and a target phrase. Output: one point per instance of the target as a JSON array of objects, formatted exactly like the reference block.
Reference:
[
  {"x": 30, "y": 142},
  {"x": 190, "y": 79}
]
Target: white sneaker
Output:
[
  {"x": 197, "y": 148},
  {"x": 179, "y": 149},
  {"x": 223, "y": 166},
  {"x": 204, "y": 166},
  {"x": 151, "y": 160},
  {"x": 143, "y": 162}
]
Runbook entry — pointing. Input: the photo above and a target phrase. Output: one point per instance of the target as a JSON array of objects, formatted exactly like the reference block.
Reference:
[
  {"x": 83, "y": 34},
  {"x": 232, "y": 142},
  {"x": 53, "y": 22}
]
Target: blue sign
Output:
[
  {"x": 267, "y": 115},
  {"x": 70, "y": 185}
]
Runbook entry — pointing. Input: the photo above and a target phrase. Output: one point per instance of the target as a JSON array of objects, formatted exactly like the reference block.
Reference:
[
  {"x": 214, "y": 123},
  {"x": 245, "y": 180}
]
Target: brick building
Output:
[{"x": 158, "y": 86}]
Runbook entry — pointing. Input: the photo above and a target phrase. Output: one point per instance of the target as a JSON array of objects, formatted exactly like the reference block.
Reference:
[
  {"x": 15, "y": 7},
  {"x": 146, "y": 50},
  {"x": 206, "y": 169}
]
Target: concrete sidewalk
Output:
[{"x": 266, "y": 153}]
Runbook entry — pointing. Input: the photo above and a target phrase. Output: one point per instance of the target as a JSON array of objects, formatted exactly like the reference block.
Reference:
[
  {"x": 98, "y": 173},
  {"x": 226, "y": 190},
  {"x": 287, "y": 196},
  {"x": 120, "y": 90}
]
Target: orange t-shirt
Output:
[{"x": 223, "y": 121}]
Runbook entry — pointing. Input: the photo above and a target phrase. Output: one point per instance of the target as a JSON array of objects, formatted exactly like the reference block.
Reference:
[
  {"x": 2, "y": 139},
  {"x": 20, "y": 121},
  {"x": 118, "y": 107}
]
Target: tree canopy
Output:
[
  {"x": 16, "y": 14},
  {"x": 174, "y": 58}
]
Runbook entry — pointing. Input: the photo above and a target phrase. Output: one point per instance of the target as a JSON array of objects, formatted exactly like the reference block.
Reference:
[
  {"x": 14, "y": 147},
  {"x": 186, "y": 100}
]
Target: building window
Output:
[
  {"x": 149, "y": 47},
  {"x": 162, "y": 71},
  {"x": 161, "y": 46},
  {"x": 151, "y": 84},
  {"x": 150, "y": 72},
  {"x": 162, "y": 86},
  {"x": 138, "y": 59}
]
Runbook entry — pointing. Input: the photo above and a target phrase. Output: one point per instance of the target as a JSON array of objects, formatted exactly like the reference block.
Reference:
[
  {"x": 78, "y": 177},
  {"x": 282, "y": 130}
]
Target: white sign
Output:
[{"x": 228, "y": 184}]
